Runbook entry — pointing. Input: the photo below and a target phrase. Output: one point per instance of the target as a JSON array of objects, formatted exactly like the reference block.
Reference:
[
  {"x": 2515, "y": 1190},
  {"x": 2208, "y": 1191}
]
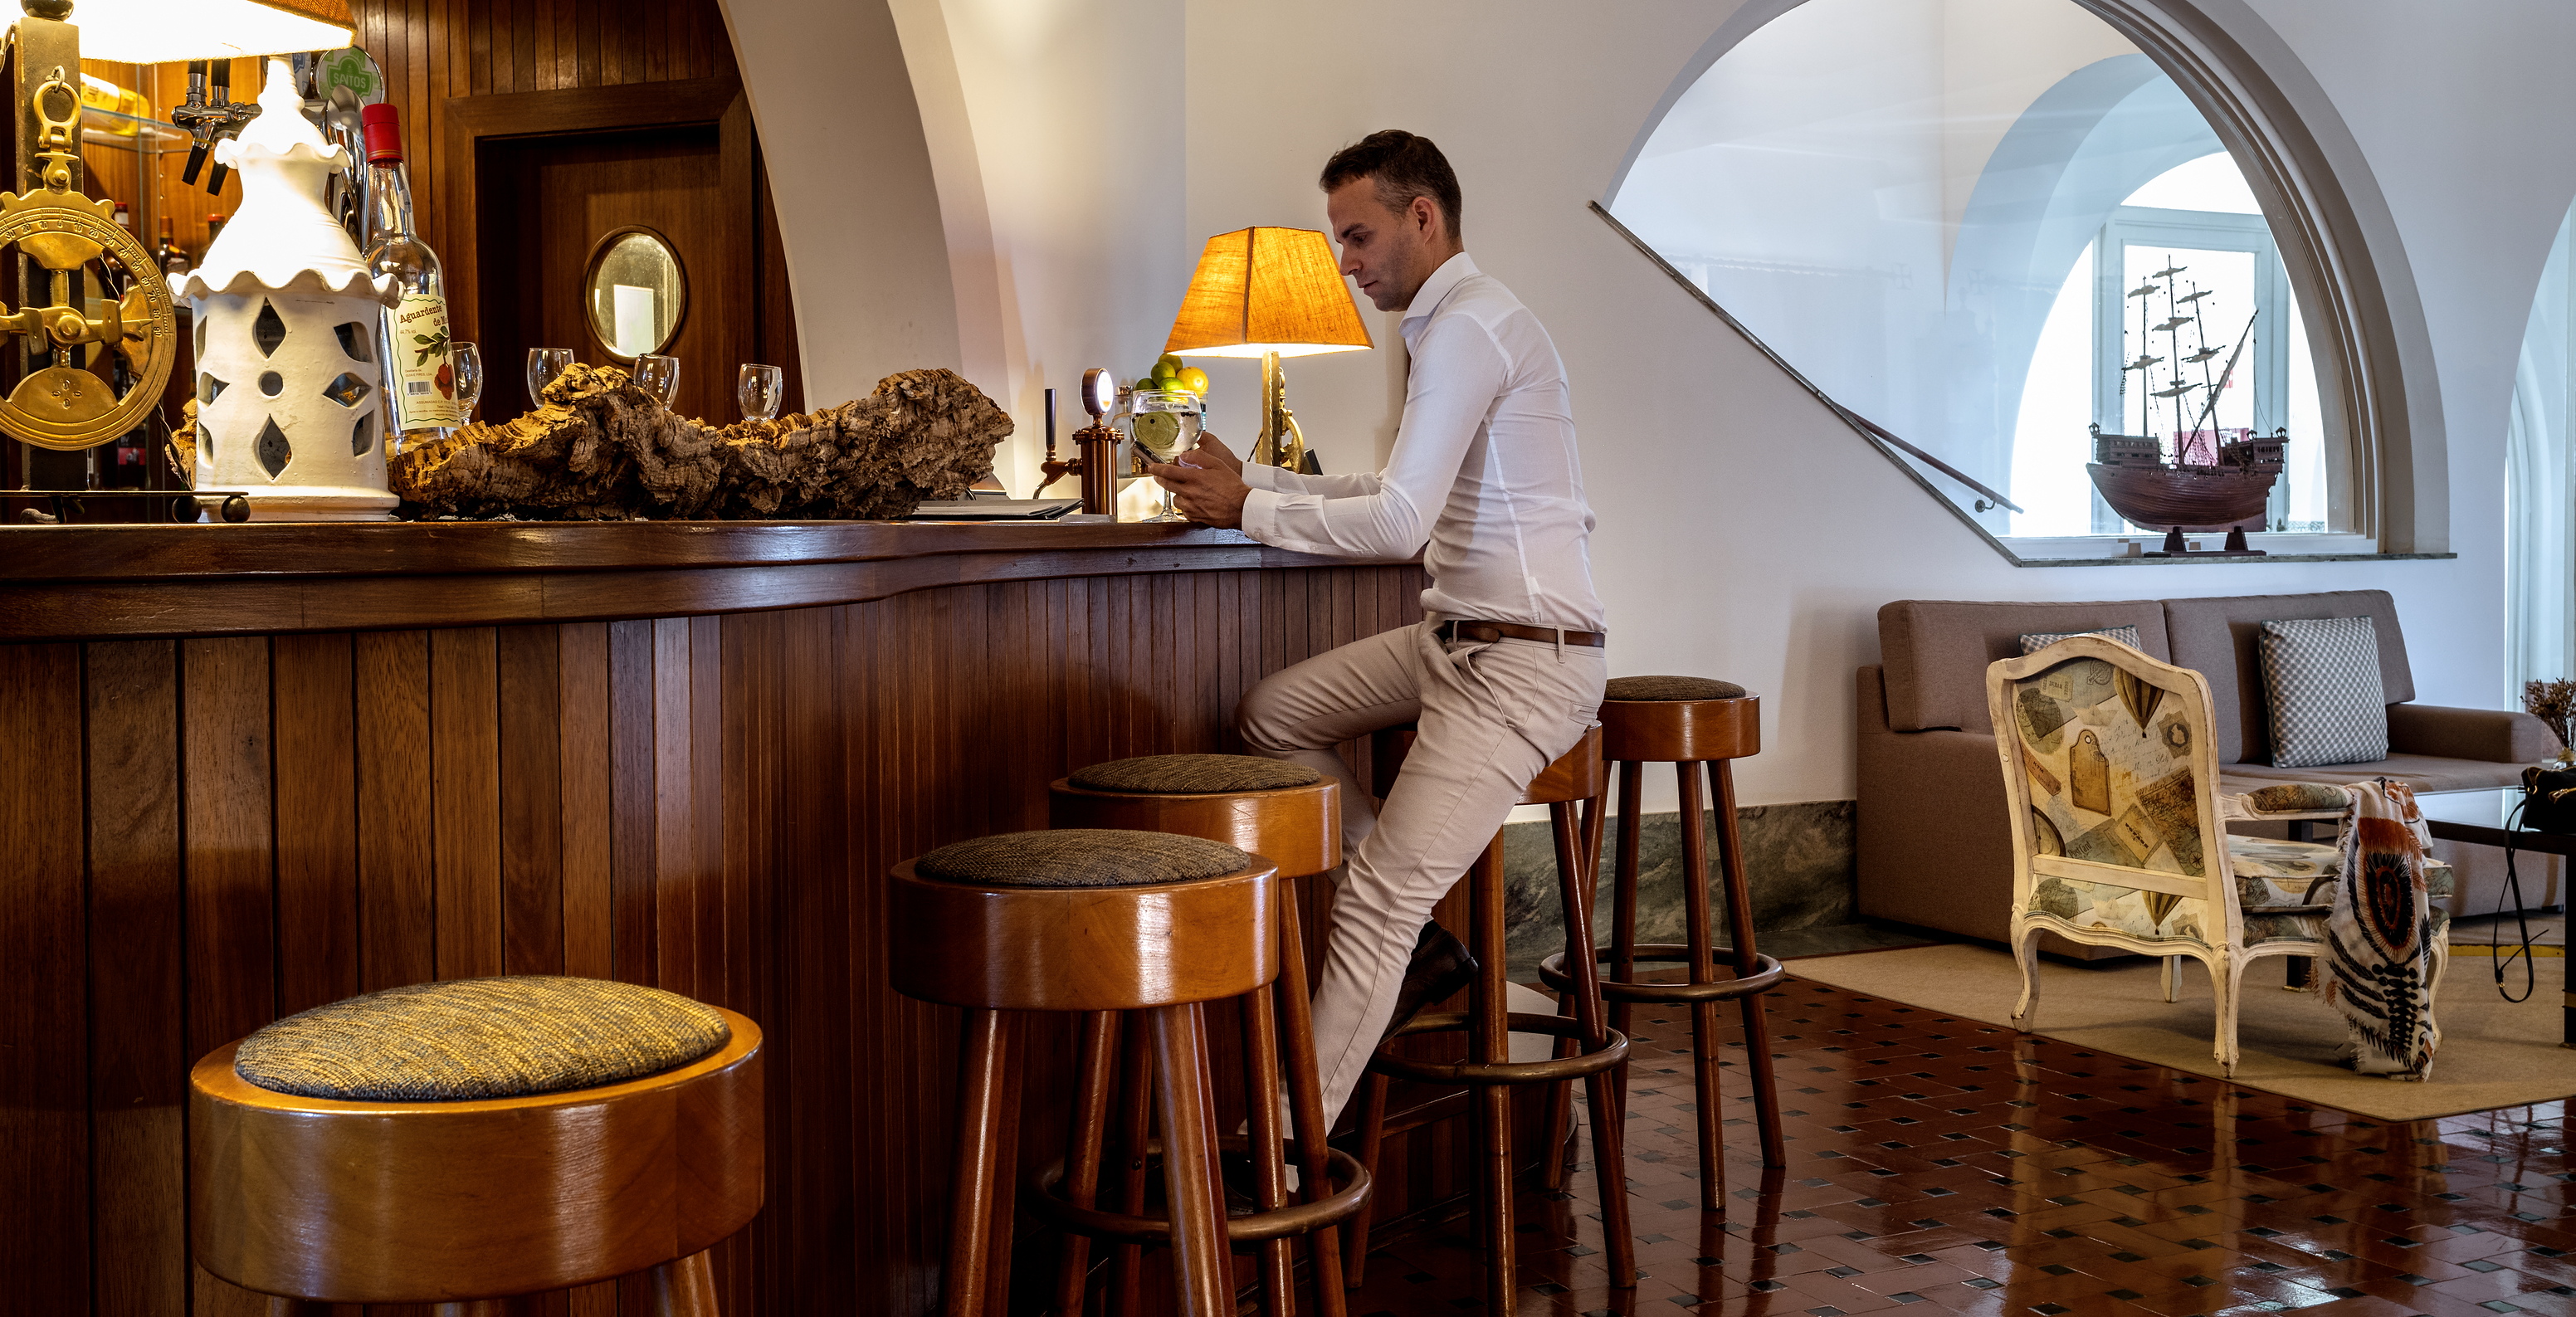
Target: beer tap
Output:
[{"x": 210, "y": 115}]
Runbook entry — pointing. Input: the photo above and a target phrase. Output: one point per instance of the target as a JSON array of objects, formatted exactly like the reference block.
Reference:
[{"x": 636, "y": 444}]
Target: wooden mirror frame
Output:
[{"x": 590, "y": 273}]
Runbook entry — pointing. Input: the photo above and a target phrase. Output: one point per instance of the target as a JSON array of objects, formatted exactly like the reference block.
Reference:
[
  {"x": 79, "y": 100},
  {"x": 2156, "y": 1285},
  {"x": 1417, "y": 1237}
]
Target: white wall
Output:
[{"x": 1744, "y": 533}]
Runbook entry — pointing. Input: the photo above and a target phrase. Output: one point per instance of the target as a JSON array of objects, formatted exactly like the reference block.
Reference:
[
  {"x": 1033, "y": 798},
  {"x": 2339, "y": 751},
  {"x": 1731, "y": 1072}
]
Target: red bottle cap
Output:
[{"x": 382, "y": 127}]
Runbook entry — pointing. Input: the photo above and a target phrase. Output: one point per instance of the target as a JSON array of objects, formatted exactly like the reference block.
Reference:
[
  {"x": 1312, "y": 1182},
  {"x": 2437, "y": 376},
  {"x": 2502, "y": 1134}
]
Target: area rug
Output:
[{"x": 2493, "y": 1054}]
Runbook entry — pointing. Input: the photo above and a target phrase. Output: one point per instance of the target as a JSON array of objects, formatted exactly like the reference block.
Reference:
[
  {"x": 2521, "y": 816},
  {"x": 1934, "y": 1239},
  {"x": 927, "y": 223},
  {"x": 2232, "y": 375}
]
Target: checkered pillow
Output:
[
  {"x": 2321, "y": 682},
  {"x": 2126, "y": 635}
]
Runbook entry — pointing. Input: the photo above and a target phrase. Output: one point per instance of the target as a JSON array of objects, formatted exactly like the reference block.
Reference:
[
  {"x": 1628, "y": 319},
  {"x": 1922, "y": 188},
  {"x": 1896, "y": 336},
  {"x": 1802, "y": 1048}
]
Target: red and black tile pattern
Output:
[{"x": 1938, "y": 1164}]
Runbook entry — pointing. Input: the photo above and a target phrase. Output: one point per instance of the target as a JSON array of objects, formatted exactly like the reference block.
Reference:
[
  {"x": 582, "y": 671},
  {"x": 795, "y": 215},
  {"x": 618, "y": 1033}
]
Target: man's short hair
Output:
[{"x": 1405, "y": 165}]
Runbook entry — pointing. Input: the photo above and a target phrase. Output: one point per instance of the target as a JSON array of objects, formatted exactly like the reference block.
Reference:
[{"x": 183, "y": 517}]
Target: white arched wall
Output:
[{"x": 1745, "y": 533}]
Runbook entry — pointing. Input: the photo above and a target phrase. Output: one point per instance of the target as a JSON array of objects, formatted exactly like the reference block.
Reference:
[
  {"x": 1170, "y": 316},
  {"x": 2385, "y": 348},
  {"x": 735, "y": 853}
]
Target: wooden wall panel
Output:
[{"x": 704, "y": 803}]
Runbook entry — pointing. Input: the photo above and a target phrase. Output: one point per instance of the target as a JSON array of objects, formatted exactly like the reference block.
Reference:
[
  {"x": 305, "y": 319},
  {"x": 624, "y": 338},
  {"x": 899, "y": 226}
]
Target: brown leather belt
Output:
[{"x": 1488, "y": 632}]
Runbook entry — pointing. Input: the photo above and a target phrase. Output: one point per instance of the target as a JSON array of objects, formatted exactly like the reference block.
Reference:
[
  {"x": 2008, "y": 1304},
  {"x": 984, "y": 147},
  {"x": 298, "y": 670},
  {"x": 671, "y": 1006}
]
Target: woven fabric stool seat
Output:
[
  {"x": 1079, "y": 857},
  {"x": 1690, "y": 731},
  {"x": 1183, "y": 775},
  {"x": 1671, "y": 688},
  {"x": 1588, "y": 1048},
  {"x": 471, "y": 1039},
  {"x": 1082, "y": 920},
  {"x": 1290, "y": 815},
  {"x": 525, "y": 1134}
]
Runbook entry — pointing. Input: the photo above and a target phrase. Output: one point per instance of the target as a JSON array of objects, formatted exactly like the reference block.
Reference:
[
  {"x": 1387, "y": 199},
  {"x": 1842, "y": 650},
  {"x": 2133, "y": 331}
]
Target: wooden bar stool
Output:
[
  {"x": 1084, "y": 920},
  {"x": 1290, "y": 815},
  {"x": 457, "y": 1143},
  {"x": 1689, "y": 722},
  {"x": 1575, "y": 777}
]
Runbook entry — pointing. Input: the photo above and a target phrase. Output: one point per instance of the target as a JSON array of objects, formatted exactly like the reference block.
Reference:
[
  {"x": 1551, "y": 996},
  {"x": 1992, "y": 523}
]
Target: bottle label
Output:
[{"x": 421, "y": 380}]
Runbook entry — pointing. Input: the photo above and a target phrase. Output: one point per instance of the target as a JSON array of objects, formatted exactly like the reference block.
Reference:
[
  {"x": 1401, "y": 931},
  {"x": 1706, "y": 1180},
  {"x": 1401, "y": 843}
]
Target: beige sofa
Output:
[{"x": 1935, "y": 844}]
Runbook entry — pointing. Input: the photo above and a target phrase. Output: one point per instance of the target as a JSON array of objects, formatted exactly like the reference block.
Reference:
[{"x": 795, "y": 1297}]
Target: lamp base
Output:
[{"x": 1279, "y": 443}]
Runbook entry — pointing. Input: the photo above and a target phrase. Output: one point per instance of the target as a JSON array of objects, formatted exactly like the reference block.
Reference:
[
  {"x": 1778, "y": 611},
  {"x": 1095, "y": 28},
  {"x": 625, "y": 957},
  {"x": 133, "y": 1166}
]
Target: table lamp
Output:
[
  {"x": 1268, "y": 293},
  {"x": 163, "y": 31}
]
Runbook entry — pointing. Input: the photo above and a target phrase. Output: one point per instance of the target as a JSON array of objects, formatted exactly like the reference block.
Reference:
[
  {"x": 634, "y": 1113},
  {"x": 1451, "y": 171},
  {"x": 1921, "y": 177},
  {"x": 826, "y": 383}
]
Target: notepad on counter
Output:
[{"x": 994, "y": 509}]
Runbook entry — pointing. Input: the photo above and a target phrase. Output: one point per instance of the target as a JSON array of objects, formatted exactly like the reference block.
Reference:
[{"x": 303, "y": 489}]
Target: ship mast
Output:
[
  {"x": 2172, "y": 328},
  {"x": 2146, "y": 425}
]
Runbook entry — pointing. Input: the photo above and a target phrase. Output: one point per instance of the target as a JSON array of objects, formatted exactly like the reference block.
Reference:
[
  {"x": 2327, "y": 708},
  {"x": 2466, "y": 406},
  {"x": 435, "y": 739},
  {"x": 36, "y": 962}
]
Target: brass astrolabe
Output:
[{"x": 63, "y": 405}]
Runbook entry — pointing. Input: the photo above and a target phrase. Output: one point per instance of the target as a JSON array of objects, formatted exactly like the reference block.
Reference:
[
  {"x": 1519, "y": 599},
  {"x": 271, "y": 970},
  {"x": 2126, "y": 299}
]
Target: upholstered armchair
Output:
[{"x": 2119, "y": 830}]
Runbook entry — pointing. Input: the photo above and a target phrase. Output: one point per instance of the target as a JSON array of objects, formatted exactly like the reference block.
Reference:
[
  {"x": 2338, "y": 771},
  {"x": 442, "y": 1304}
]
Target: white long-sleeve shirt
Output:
[{"x": 1483, "y": 471}]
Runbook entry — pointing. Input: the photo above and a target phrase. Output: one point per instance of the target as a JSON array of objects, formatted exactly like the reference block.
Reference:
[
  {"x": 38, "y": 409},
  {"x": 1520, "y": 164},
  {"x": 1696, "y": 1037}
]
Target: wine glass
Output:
[
  {"x": 658, "y": 376},
  {"x": 760, "y": 389},
  {"x": 543, "y": 365},
  {"x": 1163, "y": 424},
  {"x": 468, "y": 361}
]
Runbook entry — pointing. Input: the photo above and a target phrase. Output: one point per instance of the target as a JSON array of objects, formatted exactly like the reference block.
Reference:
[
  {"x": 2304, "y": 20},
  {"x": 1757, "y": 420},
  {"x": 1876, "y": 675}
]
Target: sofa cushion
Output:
[
  {"x": 2218, "y": 637},
  {"x": 2126, "y": 635},
  {"x": 2321, "y": 698},
  {"x": 2422, "y": 772},
  {"x": 1935, "y": 651}
]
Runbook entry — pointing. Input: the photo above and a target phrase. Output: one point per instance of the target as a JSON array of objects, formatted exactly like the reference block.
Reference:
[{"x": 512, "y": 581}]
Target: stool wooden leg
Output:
[
  {"x": 1006, "y": 1170},
  {"x": 1306, "y": 1107},
  {"x": 1490, "y": 1040},
  {"x": 1099, "y": 1053},
  {"x": 1372, "y": 1141},
  {"x": 1739, "y": 915},
  {"x": 1623, "y": 902},
  {"x": 686, "y": 1288},
  {"x": 1201, "y": 1282},
  {"x": 1269, "y": 1161},
  {"x": 1609, "y": 1156},
  {"x": 1560, "y": 1095},
  {"x": 278, "y": 1307},
  {"x": 1706, "y": 1047},
  {"x": 984, "y": 1066},
  {"x": 1135, "y": 1129}
]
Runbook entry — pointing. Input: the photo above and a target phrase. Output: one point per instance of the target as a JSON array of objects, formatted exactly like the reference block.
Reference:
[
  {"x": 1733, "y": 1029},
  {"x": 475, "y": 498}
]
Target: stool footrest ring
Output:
[
  {"x": 1612, "y": 1052},
  {"x": 1765, "y": 976},
  {"x": 1294, "y": 1219}
]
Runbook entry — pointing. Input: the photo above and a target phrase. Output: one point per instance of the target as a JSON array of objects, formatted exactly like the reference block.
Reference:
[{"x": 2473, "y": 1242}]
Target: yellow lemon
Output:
[{"x": 1194, "y": 380}]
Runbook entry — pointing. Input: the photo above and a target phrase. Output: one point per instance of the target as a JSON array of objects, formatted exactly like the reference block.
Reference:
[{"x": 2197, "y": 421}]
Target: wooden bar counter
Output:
[{"x": 246, "y": 770}]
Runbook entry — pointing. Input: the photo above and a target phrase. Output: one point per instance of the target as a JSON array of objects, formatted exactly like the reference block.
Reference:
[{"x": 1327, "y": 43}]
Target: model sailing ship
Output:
[{"x": 2203, "y": 482}]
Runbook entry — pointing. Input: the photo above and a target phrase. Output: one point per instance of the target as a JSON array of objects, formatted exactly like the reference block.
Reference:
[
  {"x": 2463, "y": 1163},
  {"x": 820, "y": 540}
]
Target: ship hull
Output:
[{"x": 2196, "y": 498}]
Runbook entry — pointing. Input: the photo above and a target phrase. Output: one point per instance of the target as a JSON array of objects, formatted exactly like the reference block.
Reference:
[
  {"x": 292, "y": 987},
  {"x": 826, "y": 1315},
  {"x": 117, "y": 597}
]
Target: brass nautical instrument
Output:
[{"x": 65, "y": 405}]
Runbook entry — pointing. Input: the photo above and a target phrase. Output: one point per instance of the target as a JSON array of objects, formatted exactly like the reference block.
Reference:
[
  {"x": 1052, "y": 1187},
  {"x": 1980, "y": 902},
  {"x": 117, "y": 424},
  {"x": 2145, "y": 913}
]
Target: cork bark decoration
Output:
[{"x": 602, "y": 449}]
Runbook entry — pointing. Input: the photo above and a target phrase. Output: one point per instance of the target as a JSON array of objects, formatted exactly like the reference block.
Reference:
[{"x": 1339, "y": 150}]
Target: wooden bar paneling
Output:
[{"x": 204, "y": 833}]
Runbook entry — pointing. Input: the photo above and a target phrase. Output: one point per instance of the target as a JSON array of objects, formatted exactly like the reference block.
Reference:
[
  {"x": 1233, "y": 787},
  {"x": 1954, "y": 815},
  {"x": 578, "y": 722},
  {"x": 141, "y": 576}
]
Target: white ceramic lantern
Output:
[{"x": 290, "y": 397}]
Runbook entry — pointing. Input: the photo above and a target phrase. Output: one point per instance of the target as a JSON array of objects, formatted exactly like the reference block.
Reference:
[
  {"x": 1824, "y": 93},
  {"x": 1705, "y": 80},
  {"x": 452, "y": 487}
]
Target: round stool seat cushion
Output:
[
  {"x": 1194, "y": 775},
  {"x": 1080, "y": 857},
  {"x": 471, "y": 1040},
  {"x": 1671, "y": 688}
]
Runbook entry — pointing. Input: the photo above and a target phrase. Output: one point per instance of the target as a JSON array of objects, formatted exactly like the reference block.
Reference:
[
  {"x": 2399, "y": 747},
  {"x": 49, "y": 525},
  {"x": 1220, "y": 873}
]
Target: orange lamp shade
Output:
[{"x": 1264, "y": 290}]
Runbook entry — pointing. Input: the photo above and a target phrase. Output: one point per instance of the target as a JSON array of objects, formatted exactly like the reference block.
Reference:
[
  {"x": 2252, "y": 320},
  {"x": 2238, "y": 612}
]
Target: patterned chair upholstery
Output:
[{"x": 2112, "y": 784}]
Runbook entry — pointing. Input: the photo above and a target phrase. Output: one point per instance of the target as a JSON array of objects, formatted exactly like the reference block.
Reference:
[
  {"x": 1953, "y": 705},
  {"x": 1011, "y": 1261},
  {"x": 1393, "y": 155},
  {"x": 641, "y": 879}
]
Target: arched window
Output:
[
  {"x": 2540, "y": 484},
  {"x": 1988, "y": 228}
]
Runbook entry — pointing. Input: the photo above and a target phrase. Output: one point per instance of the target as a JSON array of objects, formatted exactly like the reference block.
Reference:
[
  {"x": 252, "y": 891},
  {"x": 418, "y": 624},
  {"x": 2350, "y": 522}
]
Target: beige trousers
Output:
[{"x": 1491, "y": 716}]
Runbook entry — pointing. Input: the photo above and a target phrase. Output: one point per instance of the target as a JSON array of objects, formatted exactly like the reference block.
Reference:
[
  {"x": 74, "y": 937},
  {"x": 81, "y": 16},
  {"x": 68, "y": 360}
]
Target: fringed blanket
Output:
[{"x": 2379, "y": 936}]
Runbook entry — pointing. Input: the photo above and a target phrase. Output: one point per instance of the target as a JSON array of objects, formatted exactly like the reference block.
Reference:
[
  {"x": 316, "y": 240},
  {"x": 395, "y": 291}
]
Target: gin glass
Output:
[
  {"x": 1162, "y": 424},
  {"x": 543, "y": 365},
  {"x": 468, "y": 361},
  {"x": 760, "y": 389},
  {"x": 658, "y": 376}
]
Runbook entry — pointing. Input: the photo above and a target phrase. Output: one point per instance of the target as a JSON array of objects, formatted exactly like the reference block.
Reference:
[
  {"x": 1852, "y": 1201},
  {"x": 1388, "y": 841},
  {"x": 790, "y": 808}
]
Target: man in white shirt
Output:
[{"x": 1506, "y": 671}]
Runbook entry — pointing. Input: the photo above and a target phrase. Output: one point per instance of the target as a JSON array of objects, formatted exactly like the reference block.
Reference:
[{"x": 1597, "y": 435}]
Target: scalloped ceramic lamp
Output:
[{"x": 290, "y": 403}]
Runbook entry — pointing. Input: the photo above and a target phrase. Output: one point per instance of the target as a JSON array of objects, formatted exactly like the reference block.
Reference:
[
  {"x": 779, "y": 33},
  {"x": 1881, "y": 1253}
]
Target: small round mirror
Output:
[{"x": 635, "y": 292}]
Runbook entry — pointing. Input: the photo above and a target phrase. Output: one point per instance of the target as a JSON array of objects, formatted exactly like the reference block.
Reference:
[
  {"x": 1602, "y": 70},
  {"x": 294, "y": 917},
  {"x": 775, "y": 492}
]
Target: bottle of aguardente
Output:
[{"x": 419, "y": 381}]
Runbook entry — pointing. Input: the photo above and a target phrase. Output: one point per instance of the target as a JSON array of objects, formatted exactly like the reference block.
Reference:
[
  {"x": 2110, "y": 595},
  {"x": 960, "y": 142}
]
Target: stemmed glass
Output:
[
  {"x": 468, "y": 361},
  {"x": 1163, "y": 423},
  {"x": 543, "y": 365},
  {"x": 760, "y": 389},
  {"x": 658, "y": 376}
]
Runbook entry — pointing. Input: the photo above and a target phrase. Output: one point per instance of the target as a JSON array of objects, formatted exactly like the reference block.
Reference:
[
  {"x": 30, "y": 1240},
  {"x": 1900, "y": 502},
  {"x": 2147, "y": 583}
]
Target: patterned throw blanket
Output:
[{"x": 2379, "y": 937}]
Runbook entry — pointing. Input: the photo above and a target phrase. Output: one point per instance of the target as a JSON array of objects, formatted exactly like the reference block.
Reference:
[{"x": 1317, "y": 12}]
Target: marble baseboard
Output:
[{"x": 1798, "y": 864}]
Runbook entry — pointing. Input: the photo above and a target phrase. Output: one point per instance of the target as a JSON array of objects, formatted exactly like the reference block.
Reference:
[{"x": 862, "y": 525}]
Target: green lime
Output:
[
  {"x": 1148, "y": 385},
  {"x": 1158, "y": 432},
  {"x": 1169, "y": 365}
]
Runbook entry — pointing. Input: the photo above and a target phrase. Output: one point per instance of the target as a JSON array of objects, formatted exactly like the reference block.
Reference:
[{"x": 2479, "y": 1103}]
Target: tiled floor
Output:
[{"x": 1962, "y": 1167}]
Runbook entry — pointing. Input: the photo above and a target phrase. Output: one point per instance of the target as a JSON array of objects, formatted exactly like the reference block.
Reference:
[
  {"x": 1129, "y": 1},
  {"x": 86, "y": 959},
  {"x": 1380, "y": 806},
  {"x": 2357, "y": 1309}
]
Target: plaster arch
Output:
[{"x": 2337, "y": 237}]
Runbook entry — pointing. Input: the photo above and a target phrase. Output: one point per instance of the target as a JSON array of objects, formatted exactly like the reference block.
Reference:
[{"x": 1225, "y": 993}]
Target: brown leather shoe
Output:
[{"x": 1441, "y": 965}]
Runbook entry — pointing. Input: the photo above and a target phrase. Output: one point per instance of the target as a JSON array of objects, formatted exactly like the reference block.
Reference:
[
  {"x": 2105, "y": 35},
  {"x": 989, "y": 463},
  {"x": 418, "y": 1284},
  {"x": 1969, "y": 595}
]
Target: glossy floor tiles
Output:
[{"x": 1942, "y": 1165}]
